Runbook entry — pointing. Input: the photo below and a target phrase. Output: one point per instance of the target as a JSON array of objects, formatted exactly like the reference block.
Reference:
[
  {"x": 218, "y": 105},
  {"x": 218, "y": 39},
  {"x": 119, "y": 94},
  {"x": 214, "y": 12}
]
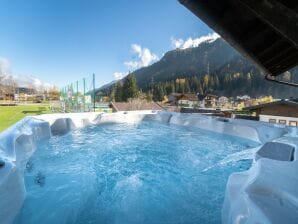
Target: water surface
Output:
[{"x": 123, "y": 173}]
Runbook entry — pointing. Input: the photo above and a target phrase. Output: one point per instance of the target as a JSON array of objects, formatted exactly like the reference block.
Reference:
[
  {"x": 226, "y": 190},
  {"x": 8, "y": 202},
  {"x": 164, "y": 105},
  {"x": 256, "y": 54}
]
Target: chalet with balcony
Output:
[
  {"x": 207, "y": 101},
  {"x": 281, "y": 111},
  {"x": 188, "y": 100}
]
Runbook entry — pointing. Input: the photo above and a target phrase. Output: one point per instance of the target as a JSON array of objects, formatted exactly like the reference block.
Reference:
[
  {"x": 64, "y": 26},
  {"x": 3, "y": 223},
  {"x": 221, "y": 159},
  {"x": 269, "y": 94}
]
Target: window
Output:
[
  {"x": 282, "y": 121},
  {"x": 293, "y": 123},
  {"x": 272, "y": 120}
]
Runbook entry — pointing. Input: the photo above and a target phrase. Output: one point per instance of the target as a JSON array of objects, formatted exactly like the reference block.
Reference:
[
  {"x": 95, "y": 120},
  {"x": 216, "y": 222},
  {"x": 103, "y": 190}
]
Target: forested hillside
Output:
[{"x": 209, "y": 68}]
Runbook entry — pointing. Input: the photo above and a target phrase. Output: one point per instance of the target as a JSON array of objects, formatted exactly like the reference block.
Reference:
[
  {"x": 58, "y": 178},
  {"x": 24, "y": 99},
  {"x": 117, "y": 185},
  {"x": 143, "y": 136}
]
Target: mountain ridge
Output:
[{"x": 215, "y": 58}]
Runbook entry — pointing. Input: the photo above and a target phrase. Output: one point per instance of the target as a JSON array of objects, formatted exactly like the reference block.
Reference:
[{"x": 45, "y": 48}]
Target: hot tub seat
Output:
[
  {"x": 277, "y": 151},
  {"x": 266, "y": 193}
]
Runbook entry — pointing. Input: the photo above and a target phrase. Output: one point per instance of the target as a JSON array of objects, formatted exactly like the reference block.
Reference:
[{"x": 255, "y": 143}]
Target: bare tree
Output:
[
  {"x": 8, "y": 87},
  {"x": 136, "y": 103}
]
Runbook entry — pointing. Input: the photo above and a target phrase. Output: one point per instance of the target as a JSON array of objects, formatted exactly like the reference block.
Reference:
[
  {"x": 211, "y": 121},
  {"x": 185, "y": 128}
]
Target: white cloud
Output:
[
  {"x": 177, "y": 43},
  {"x": 119, "y": 75},
  {"x": 136, "y": 48},
  {"x": 190, "y": 42},
  {"x": 132, "y": 65},
  {"x": 28, "y": 81},
  {"x": 144, "y": 57}
]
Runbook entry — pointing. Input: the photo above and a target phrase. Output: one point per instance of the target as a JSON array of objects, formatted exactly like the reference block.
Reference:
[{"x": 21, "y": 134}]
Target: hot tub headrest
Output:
[{"x": 276, "y": 151}]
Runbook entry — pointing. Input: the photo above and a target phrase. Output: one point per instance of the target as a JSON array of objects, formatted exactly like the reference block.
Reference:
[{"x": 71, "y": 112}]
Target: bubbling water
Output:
[{"x": 145, "y": 173}]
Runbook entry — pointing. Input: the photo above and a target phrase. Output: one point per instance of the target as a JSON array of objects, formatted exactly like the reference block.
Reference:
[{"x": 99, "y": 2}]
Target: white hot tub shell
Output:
[{"x": 266, "y": 193}]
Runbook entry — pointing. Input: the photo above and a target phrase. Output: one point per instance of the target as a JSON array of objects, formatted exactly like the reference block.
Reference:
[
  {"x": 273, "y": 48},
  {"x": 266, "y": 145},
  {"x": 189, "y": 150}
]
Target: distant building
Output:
[
  {"x": 223, "y": 102},
  {"x": 25, "y": 90},
  {"x": 282, "y": 112},
  {"x": 241, "y": 102},
  {"x": 183, "y": 99},
  {"x": 243, "y": 98},
  {"x": 173, "y": 98},
  {"x": 188, "y": 100},
  {"x": 207, "y": 101},
  {"x": 7, "y": 96},
  {"x": 13, "y": 93}
]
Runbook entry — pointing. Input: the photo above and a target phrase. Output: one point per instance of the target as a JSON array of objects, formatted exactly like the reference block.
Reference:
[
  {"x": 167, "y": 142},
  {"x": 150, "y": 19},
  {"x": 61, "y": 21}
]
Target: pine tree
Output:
[
  {"x": 186, "y": 86},
  {"x": 173, "y": 86},
  {"x": 118, "y": 92},
  {"x": 159, "y": 92},
  {"x": 216, "y": 81},
  {"x": 206, "y": 83},
  {"x": 195, "y": 84},
  {"x": 200, "y": 89},
  {"x": 130, "y": 88},
  {"x": 112, "y": 94},
  {"x": 149, "y": 96}
]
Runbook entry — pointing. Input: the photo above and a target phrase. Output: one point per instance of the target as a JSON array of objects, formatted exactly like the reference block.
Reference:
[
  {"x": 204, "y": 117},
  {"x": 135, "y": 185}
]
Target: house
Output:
[
  {"x": 7, "y": 97},
  {"x": 243, "y": 98},
  {"x": 25, "y": 90},
  {"x": 12, "y": 93},
  {"x": 207, "y": 101},
  {"x": 223, "y": 102},
  {"x": 241, "y": 102},
  {"x": 281, "y": 111},
  {"x": 183, "y": 99},
  {"x": 188, "y": 100},
  {"x": 173, "y": 98}
]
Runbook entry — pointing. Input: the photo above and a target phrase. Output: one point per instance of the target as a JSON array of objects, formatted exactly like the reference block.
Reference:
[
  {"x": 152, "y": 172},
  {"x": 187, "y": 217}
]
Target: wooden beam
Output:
[{"x": 277, "y": 15}]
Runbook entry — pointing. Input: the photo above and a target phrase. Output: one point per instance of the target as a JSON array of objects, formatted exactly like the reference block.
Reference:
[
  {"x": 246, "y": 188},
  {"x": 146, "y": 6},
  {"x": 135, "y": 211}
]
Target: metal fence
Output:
[{"x": 79, "y": 96}]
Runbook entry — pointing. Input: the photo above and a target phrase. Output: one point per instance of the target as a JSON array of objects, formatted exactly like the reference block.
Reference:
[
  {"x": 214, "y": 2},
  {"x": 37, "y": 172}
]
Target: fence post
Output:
[
  {"x": 77, "y": 96},
  {"x": 71, "y": 88},
  {"x": 94, "y": 92},
  {"x": 84, "y": 92},
  {"x": 66, "y": 98}
]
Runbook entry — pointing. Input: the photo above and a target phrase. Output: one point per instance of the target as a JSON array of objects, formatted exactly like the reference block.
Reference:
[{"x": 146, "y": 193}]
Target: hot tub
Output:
[{"x": 140, "y": 167}]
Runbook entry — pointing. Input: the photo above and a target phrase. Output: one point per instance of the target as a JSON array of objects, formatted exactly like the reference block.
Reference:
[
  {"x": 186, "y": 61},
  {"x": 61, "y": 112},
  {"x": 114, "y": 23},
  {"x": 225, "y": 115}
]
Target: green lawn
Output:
[{"x": 11, "y": 114}]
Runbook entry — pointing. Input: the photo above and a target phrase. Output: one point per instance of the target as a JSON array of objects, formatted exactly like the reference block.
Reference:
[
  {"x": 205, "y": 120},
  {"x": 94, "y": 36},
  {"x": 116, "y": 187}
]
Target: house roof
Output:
[
  {"x": 128, "y": 106},
  {"x": 175, "y": 94},
  {"x": 203, "y": 96},
  {"x": 264, "y": 31},
  {"x": 279, "y": 102},
  {"x": 189, "y": 96}
]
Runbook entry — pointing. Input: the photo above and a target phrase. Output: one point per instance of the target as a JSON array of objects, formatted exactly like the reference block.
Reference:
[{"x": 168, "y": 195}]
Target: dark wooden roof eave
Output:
[
  {"x": 266, "y": 32},
  {"x": 280, "y": 102}
]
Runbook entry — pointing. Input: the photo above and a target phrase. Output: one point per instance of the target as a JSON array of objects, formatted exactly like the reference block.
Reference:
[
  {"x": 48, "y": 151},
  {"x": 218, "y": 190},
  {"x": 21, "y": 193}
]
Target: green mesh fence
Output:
[{"x": 79, "y": 96}]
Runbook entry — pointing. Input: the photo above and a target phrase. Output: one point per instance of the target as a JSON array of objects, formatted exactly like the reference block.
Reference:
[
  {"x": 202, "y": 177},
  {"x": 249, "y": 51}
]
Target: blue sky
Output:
[{"x": 59, "y": 41}]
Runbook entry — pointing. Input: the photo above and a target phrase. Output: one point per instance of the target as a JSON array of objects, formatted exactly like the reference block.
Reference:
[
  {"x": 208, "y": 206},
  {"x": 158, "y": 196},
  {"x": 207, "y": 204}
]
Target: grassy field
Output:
[{"x": 11, "y": 114}]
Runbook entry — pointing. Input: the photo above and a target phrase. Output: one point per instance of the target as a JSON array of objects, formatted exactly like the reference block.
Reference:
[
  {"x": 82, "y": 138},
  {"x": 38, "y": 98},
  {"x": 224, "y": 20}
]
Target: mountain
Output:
[
  {"x": 106, "y": 86},
  {"x": 234, "y": 74},
  {"x": 187, "y": 62}
]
